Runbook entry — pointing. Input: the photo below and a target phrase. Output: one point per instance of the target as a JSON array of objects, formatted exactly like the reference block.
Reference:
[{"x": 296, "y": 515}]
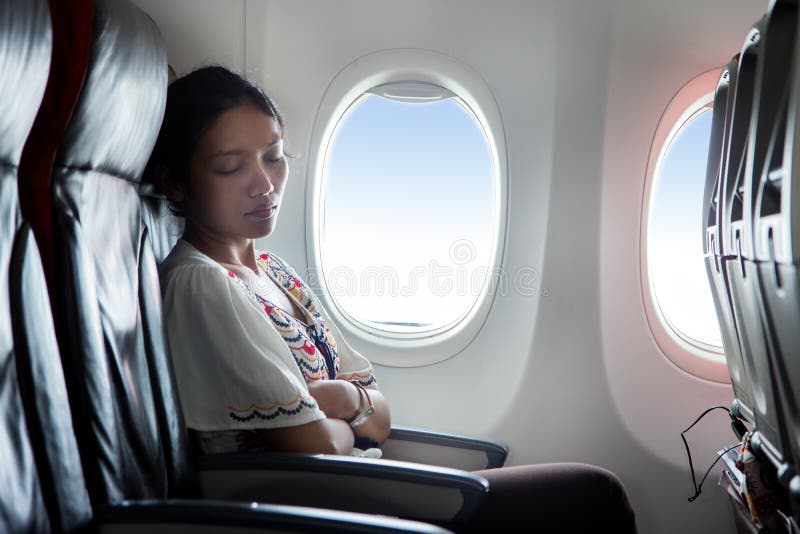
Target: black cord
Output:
[
  {"x": 697, "y": 488},
  {"x": 708, "y": 471}
]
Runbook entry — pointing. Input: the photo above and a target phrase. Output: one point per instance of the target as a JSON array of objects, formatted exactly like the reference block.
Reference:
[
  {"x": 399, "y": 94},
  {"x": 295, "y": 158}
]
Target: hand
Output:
[{"x": 378, "y": 426}]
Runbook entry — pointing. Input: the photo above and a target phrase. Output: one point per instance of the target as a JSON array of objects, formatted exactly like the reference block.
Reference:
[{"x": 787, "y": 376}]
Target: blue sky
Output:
[
  {"x": 404, "y": 182},
  {"x": 675, "y": 234}
]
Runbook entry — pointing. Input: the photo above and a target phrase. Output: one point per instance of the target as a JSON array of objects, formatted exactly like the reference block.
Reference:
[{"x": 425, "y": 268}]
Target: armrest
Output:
[
  {"x": 447, "y": 450},
  {"x": 214, "y": 516},
  {"x": 365, "y": 485}
]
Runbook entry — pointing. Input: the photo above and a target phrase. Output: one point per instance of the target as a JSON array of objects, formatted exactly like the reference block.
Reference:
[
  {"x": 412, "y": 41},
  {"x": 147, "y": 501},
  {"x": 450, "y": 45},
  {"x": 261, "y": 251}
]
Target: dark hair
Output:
[{"x": 194, "y": 102}]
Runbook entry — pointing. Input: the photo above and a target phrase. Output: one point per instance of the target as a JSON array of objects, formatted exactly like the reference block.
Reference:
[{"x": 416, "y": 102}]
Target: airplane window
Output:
[
  {"x": 409, "y": 214},
  {"x": 674, "y": 251}
]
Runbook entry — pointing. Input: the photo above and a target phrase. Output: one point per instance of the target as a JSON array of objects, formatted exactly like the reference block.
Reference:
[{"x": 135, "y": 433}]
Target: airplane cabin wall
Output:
[{"x": 571, "y": 373}]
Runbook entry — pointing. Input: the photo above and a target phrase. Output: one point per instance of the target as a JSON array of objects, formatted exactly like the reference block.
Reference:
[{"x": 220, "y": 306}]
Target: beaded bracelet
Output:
[{"x": 362, "y": 414}]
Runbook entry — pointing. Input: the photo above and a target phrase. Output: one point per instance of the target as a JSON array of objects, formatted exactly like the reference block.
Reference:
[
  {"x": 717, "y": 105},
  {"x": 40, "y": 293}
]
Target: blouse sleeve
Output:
[
  {"x": 352, "y": 365},
  {"x": 234, "y": 371}
]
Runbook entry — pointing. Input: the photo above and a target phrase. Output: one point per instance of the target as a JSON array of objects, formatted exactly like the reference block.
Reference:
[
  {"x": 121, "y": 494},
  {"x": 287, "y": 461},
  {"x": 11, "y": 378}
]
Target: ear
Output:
[{"x": 168, "y": 187}]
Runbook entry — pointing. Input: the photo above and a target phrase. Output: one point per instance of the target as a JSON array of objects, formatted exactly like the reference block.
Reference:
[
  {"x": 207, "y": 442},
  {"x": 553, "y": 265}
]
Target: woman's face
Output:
[{"x": 237, "y": 176}]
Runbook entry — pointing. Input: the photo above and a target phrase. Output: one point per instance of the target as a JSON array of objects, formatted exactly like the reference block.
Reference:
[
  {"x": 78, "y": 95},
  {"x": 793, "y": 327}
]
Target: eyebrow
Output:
[{"x": 238, "y": 152}]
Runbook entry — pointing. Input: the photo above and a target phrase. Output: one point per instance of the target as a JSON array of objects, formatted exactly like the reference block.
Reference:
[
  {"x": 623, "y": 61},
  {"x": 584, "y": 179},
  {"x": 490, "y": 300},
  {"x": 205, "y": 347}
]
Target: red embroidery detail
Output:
[
  {"x": 297, "y": 283},
  {"x": 268, "y": 309},
  {"x": 264, "y": 257},
  {"x": 309, "y": 348},
  {"x": 230, "y": 273}
]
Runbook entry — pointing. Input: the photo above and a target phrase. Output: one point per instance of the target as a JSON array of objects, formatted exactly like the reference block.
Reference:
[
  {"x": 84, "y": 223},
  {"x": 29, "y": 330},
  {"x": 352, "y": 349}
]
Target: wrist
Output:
[
  {"x": 353, "y": 396},
  {"x": 365, "y": 407}
]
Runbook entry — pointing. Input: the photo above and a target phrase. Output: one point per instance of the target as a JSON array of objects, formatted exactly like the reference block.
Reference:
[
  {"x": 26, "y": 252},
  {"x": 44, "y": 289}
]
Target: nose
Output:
[{"x": 262, "y": 182}]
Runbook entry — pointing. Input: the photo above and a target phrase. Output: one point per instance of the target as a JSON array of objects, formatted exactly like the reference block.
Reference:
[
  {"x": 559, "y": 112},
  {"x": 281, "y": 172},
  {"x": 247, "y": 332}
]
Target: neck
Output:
[{"x": 231, "y": 251}]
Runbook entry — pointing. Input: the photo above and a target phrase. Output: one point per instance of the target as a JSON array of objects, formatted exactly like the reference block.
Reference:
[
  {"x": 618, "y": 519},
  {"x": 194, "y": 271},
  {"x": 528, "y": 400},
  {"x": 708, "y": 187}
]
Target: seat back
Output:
[
  {"x": 72, "y": 36},
  {"x": 40, "y": 473},
  {"x": 108, "y": 312},
  {"x": 773, "y": 208},
  {"x": 737, "y": 241},
  {"x": 43, "y": 394},
  {"x": 25, "y": 43},
  {"x": 163, "y": 228},
  {"x": 765, "y": 143},
  {"x": 731, "y": 217},
  {"x": 712, "y": 249}
]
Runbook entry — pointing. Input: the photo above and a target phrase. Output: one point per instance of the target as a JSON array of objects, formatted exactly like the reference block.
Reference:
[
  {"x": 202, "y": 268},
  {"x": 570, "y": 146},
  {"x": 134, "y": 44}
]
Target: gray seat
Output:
[
  {"x": 763, "y": 157},
  {"x": 712, "y": 248},
  {"x": 737, "y": 250},
  {"x": 770, "y": 198}
]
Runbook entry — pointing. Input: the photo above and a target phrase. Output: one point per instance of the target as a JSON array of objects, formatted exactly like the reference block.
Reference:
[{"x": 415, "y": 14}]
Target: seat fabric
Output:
[
  {"x": 115, "y": 360},
  {"x": 42, "y": 485}
]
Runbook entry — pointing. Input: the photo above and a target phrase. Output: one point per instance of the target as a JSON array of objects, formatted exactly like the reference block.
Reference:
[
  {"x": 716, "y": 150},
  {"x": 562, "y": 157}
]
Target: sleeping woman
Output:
[{"x": 258, "y": 362}]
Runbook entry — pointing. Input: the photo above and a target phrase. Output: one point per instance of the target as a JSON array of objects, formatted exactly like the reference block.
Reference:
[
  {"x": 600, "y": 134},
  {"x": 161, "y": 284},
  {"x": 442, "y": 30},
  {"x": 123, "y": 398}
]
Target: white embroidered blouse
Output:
[{"x": 242, "y": 363}]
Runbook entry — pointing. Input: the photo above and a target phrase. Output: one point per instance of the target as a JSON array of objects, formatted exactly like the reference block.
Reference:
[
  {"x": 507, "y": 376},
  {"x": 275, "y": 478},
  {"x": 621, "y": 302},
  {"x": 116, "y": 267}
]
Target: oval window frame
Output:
[
  {"x": 696, "y": 358},
  {"x": 355, "y": 79}
]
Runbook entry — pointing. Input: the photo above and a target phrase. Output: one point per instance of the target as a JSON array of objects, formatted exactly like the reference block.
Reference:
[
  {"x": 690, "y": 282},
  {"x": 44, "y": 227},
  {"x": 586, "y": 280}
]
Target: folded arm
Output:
[
  {"x": 340, "y": 399},
  {"x": 324, "y": 436}
]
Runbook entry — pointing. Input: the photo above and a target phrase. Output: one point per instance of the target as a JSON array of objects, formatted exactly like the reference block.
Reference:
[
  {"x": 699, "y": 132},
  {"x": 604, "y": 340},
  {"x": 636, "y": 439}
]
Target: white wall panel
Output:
[{"x": 200, "y": 32}]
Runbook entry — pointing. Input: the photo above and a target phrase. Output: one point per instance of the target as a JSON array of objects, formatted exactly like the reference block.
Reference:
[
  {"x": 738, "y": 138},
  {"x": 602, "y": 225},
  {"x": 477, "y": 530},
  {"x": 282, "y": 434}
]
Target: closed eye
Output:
[{"x": 278, "y": 159}]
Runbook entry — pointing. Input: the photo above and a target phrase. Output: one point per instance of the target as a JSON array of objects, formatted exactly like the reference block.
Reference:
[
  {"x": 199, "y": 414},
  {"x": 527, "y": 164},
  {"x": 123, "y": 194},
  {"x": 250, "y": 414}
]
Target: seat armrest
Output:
[
  {"x": 402, "y": 489},
  {"x": 411, "y": 444},
  {"x": 220, "y": 517}
]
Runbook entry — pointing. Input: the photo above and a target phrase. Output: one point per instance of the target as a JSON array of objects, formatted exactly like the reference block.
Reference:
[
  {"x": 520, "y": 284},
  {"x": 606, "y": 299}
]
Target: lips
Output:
[{"x": 264, "y": 212}]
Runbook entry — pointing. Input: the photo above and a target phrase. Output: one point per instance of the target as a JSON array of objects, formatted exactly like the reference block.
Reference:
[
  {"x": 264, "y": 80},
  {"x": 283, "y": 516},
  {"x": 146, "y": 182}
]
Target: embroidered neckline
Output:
[{"x": 317, "y": 357}]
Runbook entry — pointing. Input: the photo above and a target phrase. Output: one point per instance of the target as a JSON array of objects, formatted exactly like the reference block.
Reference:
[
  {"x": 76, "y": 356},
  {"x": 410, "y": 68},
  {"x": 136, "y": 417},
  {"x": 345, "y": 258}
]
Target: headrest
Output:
[
  {"x": 25, "y": 45},
  {"x": 119, "y": 113}
]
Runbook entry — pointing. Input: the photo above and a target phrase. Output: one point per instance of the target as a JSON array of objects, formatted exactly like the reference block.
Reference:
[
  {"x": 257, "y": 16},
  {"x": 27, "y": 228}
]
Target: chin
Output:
[{"x": 263, "y": 229}]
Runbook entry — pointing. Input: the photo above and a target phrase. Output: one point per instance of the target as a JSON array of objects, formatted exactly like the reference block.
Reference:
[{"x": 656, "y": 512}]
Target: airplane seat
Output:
[
  {"x": 127, "y": 417},
  {"x": 457, "y": 451},
  {"x": 736, "y": 241},
  {"x": 45, "y": 406},
  {"x": 759, "y": 258},
  {"x": 775, "y": 246},
  {"x": 764, "y": 154},
  {"x": 163, "y": 228},
  {"x": 30, "y": 484},
  {"x": 97, "y": 234},
  {"x": 712, "y": 249},
  {"x": 72, "y": 32}
]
